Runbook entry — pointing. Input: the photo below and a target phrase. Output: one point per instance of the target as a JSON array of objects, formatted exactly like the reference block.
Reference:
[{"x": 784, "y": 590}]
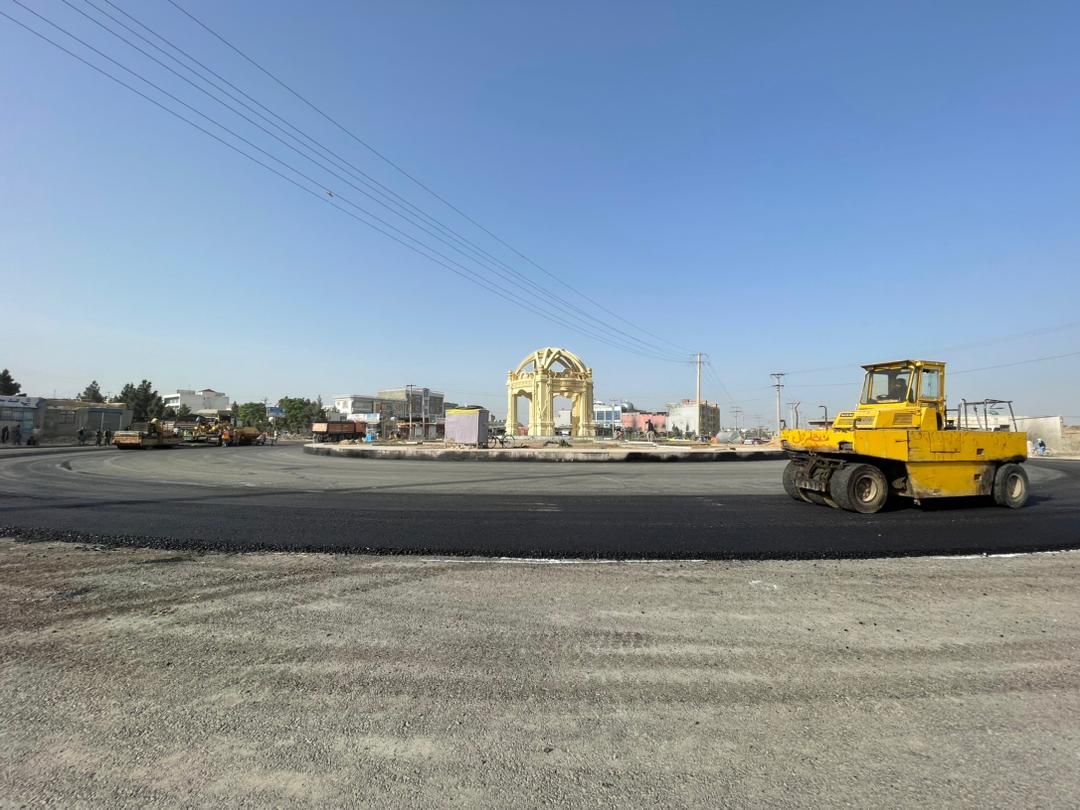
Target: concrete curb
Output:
[{"x": 559, "y": 454}]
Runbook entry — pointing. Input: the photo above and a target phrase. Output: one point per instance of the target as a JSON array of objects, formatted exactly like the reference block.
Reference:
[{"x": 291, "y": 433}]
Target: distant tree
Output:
[
  {"x": 8, "y": 386},
  {"x": 300, "y": 413},
  {"x": 252, "y": 414},
  {"x": 92, "y": 393},
  {"x": 168, "y": 413},
  {"x": 183, "y": 411},
  {"x": 143, "y": 400}
]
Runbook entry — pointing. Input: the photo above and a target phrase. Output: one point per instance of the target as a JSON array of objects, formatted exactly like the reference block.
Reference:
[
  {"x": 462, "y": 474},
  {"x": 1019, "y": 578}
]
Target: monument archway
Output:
[{"x": 544, "y": 375}]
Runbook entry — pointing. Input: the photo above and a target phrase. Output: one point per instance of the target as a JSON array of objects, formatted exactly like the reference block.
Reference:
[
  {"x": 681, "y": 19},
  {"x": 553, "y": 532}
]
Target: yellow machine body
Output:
[{"x": 900, "y": 426}]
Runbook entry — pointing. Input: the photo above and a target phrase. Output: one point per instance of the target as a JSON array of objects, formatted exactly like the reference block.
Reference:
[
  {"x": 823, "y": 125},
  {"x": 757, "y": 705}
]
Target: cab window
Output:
[
  {"x": 887, "y": 385},
  {"x": 930, "y": 384}
]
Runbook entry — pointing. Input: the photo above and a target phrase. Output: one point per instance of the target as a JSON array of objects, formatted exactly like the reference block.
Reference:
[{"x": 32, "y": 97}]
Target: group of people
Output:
[
  {"x": 14, "y": 435},
  {"x": 102, "y": 438}
]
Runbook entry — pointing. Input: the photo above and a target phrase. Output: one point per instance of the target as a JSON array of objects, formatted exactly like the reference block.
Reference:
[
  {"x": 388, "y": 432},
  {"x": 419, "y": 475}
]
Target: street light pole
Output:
[{"x": 826, "y": 412}]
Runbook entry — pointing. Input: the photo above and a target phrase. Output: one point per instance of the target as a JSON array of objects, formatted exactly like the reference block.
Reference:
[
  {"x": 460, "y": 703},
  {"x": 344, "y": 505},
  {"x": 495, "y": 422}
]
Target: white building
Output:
[
  {"x": 205, "y": 400},
  {"x": 696, "y": 418},
  {"x": 605, "y": 415}
]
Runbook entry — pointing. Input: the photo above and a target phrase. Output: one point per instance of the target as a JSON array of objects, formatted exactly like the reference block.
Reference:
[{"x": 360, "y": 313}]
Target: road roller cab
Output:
[{"x": 899, "y": 442}]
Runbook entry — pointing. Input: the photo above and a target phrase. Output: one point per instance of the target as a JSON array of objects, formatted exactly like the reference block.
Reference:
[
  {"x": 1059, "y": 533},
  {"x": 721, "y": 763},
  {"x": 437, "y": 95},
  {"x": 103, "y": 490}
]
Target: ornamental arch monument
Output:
[{"x": 544, "y": 375}]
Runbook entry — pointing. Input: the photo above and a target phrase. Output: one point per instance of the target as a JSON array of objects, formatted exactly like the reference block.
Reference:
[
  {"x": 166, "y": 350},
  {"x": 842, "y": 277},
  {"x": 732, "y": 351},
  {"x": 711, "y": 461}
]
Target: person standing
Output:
[
  {"x": 82, "y": 436},
  {"x": 108, "y": 436},
  {"x": 97, "y": 439},
  {"x": 4, "y": 435},
  {"x": 650, "y": 430},
  {"x": 16, "y": 436}
]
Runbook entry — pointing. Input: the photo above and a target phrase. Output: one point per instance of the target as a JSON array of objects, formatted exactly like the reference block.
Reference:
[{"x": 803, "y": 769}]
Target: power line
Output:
[
  {"x": 411, "y": 177},
  {"x": 590, "y": 321},
  {"x": 1017, "y": 363},
  {"x": 423, "y": 249},
  {"x": 1046, "y": 330},
  {"x": 962, "y": 371}
]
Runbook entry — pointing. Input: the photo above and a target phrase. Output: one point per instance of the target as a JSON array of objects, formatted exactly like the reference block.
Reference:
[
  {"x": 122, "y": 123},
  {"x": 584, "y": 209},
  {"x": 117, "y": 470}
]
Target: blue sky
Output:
[{"x": 786, "y": 187}]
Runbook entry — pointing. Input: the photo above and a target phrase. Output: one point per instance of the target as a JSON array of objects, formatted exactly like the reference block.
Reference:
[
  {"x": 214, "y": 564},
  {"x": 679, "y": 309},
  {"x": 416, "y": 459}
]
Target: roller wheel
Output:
[
  {"x": 1011, "y": 486},
  {"x": 790, "y": 471},
  {"x": 859, "y": 488}
]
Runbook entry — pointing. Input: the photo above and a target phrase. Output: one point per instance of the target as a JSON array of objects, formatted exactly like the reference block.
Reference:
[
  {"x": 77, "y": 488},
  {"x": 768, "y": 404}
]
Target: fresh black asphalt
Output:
[{"x": 44, "y": 498}]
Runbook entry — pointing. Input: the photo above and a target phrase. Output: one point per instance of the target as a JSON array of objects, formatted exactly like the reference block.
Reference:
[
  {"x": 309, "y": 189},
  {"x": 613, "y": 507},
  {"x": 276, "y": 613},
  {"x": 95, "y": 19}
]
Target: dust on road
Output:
[{"x": 138, "y": 678}]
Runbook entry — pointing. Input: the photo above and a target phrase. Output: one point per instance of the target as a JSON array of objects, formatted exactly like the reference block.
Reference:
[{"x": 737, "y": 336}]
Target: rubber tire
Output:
[
  {"x": 1011, "y": 487},
  {"x": 789, "y": 483},
  {"x": 845, "y": 483}
]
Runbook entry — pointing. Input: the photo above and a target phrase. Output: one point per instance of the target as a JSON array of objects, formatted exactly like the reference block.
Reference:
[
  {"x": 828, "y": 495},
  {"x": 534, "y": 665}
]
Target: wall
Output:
[
  {"x": 635, "y": 420},
  {"x": 701, "y": 419}
]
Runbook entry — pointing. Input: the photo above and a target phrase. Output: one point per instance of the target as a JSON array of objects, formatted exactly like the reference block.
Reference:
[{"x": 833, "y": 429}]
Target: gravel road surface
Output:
[{"x": 142, "y": 678}]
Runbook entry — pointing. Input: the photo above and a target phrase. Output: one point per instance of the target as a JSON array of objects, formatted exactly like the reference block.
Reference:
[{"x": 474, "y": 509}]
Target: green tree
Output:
[
  {"x": 92, "y": 393},
  {"x": 183, "y": 412},
  {"x": 252, "y": 414},
  {"x": 144, "y": 401},
  {"x": 8, "y": 386},
  {"x": 300, "y": 413}
]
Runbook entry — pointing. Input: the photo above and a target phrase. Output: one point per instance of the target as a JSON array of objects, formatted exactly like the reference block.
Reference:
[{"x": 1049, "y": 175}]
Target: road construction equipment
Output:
[
  {"x": 222, "y": 430},
  {"x": 337, "y": 431},
  {"x": 899, "y": 442},
  {"x": 144, "y": 435}
]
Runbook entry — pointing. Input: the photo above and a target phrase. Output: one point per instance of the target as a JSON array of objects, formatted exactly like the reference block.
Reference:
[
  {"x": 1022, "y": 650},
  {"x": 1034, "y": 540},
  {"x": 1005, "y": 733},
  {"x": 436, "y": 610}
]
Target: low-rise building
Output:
[
  {"x": 206, "y": 399},
  {"x": 58, "y": 421},
  {"x": 412, "y": 410},
  {"x": 23, "y": 413},
  {"x": 694, "y": 418}
]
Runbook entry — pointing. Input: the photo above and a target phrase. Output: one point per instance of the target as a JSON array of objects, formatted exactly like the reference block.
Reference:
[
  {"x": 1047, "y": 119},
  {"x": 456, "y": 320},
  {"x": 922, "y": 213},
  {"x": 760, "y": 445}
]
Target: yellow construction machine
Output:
[
  {"x": 143, "y": 435},
  {"x": 900, "y": 442}
]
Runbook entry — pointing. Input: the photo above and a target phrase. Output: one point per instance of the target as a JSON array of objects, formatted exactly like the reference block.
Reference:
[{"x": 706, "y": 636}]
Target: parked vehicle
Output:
[{"x": 337, "y": 431}]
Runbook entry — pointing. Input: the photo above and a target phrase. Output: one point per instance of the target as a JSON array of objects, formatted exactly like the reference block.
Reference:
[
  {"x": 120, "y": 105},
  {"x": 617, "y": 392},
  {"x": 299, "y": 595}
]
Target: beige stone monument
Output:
[{"x": 544, "y": 375}]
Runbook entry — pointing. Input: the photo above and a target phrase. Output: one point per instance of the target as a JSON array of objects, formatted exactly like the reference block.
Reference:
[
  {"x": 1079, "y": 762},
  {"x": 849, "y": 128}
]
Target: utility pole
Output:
[
  {"x": 736, "y": 410},
  {"x": 779, "y": 386},
  {"x": 794, "y": 413},
  {"x": 697, "y": 402},
  {"x": 826, "y": 412}
]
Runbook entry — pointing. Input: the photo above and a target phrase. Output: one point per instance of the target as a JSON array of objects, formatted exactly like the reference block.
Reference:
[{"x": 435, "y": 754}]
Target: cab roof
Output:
[{"x": 900, "y": 363}]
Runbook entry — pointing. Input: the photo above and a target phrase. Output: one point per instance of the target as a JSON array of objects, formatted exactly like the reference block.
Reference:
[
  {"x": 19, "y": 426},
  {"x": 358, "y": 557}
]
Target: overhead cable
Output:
[
  {"x": 419, "y": 248},
  {"x": 590, "y": 322},
  {"x": 412, "y": 177}
]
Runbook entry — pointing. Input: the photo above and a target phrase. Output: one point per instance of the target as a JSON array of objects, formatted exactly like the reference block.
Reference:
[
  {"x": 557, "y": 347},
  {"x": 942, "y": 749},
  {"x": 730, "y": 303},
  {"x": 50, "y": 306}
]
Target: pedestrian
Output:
[
  {"x": 108, "y": 436},
  {"x": 97, "y": 439},
  {"x": 16, "y": 436},
  {"x": 1042, "y": 447},
  {"x": 650, "y": 430},
  {"x": 4, "y": 435},
  {"x": 82, "y": 436}
]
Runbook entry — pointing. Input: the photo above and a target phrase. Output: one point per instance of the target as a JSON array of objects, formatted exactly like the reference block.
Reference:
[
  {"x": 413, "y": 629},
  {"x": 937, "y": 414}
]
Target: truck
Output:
[
  {"x": 337, "y": 431},
  {"x": 900, "y": 443},
  {"x": 145, "y": 435}
]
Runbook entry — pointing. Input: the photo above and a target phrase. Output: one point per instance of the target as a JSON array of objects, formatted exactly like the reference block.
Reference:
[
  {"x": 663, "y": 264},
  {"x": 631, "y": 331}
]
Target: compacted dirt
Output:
[{"x": 139, "y": 678}]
